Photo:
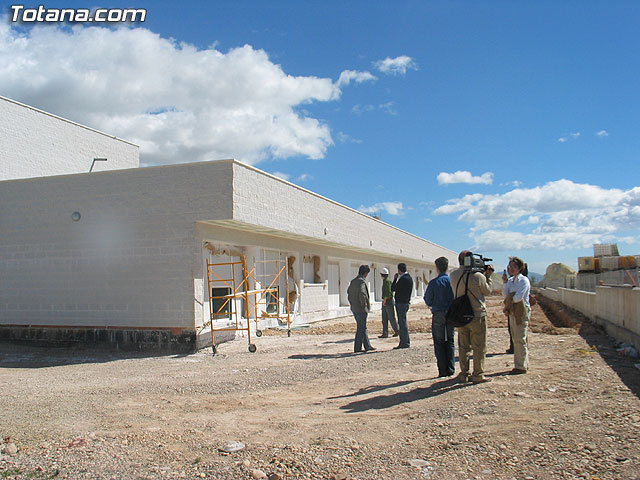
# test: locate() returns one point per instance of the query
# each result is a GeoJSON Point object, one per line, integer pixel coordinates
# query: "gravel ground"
{"type": "Point", "coordinates": [304, 407]}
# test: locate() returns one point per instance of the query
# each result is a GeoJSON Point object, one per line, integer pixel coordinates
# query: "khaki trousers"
{"type": "Point", "coordinates": [520, 340]}
{"type": "Point", "coordinates": [473, 337]}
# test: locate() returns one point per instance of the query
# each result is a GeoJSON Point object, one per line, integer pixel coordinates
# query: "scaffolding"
{"type": "Point", "coordinates": [263, 301]}
{"type": "Point", "coordinates": [268, 274]}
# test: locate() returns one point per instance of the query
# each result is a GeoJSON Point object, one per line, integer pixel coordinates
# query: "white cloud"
{"type": "Point", "coordinates": [564, 215]}
{"type": "Point", "coordinates": [513, 183]}
{"type": "Point", "coordinates": [348, 76]}
{"type": "Point", "coordinates": [360, 109]}
{"type": "Point", "coordinates": [346, 138]}
{"type": "Point", "coordinates": [388, 108]}
{"type": "Point", "coordinates": [571, 136]}
{"type": "Point", "coordinates": [178, 102]}
{"type": "Point", "coordinates": [283, 176]}
{"type": "Point", "coordinates": [463, 176]}
{"type": "Point", "coordinates": [396, 66]}
{"type": "Point", "coordinates": [392, 208]}
{"type": "Point", "coordinates": [602, 133]}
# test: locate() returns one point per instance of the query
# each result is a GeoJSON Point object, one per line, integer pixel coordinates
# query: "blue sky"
{"type": "Point", "coordinates": [507, 127]}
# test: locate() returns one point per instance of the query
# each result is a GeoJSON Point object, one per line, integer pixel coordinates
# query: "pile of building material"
{"type": "Point", "coordinates": [607, 267]}
{"type": "Point", "coordinates": [559, 275]}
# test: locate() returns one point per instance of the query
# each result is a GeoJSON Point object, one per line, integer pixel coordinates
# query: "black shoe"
{"type": "Point", "coordinates": [517, 371]}
{"type": "Point", "coordinates": [400, 346]}
{"type": "Point", "coordinates": [395, 334]}
{"type": "Point", "coordinates": [384, 335]}
{"type": "Point", "coordinates": [369, 349]}
{"type": "Point", "coordinates": [509, 350]}
{"type": "Point", "coordinates": [358, 351]}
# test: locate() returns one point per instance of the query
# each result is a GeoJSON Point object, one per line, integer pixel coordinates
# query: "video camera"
{"type": "Point", "coordinates": [475, 262]}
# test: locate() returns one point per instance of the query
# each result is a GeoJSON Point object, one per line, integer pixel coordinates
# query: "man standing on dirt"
{"type": "Point", "coordinates": [472, 336]}
{"type": "Point", "coordinates": [358, 295]}
{"type": "Point", "coordinates": [403, 286]}
{"type": "Point", "coordinates": [438, 297]}
{"type": "Point", "coordinates": [388, 313]}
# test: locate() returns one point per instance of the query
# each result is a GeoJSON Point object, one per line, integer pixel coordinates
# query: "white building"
{"type": "Point", "coordinates": [34, 143]}
{"type": "Point", "coordinates": [120, 256]}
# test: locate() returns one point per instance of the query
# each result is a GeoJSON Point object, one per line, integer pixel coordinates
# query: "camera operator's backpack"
{"type": "Point", "coordinates": [460, 312]}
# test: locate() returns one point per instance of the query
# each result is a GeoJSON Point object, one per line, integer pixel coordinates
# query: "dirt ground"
{"type": "Point", "coordinates": [305, 407]}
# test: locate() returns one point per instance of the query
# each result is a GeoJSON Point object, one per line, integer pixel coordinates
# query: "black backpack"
{"type": "Point", "coordinates": [460, 312]}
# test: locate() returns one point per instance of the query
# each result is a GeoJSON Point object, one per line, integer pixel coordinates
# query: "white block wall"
{"type": "Point", "coordinates": [135, 257]}
{"type": "Point", "coordinates": [265, 200]}
{"type": "Point", "coordinates": [129, 262]}
{"type": "Point", "coordinates": [314, 297]}
{"type": "Point", "coordinates": [34, 143]}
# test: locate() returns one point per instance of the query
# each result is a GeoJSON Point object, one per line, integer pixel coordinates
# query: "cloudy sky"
{"type": "Point", "coordinates": [505, 127]}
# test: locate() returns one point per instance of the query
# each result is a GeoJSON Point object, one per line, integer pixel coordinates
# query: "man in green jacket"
{"type": "Point", "coordinates": [388, 312]}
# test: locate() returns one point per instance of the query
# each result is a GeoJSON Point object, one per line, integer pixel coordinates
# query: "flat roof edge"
{"type": "Point", "coordinates": [250, 167]}
{"type": "Point", "coordinates": [67, 120]}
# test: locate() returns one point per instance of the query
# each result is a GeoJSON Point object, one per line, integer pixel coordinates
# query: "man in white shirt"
{"type": "Point", "coordinates": [515, 290]}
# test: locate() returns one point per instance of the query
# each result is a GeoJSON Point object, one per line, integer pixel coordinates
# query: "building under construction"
{"type": "Point", "coordinates": [131, 256]}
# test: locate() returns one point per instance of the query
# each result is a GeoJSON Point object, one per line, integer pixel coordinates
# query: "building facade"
{"type": "Point", "coordinates": [120, 256]}
{"type": "Point", "coordinates": [34, 143]}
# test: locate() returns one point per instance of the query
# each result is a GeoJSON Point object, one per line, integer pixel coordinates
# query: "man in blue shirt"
{"type": "Point", "coordinates": [438, 297]}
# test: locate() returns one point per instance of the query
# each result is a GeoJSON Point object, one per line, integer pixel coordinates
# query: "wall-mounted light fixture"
{"type": "Point", "coordinates": [94, 162]}
{"type": "Point", "coordinates": [75, 216]}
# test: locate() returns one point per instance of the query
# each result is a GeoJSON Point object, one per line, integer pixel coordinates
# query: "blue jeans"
{"type": "Point", "coordinates": [403, 328]}
{"type": "Point", "coordinates": [362, 339]}
{"type": "Point", "coordinates": [443, 344]}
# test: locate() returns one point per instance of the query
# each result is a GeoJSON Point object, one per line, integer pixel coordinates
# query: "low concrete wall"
{"type": "Point", "coordinates": [616, 308]}
{"type": "Point", "coordinates": [551, 293]}
{"type": "Point", "coordinates": [314, 297]}
{"type": "Point", "coordinates": [583, 302]}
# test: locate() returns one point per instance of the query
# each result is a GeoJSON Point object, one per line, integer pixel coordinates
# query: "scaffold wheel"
{"type": "Point", "coordinates": [258, 333]}
{"type": "Point", "coordinates": [214, 349]}
{"type": "Point", "coordinates": [288, 333]}
{"type": "Point", "coordinates": [252, 348]}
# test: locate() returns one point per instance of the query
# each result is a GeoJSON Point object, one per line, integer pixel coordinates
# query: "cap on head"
{"type": "Point", "coordinates": [384, 271]}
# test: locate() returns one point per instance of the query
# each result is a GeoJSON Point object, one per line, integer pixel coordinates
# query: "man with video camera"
{"type": "Point", "coordinates": [473, 277]}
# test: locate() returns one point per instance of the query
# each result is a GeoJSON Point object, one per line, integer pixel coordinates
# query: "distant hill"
{"type": "Point", "coordinates": [536, 277]}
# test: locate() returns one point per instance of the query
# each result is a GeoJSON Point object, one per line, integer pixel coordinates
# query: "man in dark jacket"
{"type": "Point", "coordinates": [438, 297]}
{"type": "Point", "coordinates": [358, 295]}
{"type": "Point", "coordinates": [403, 286]}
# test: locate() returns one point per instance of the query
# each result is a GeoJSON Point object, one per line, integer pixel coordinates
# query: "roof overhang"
{"type": "Point", "coordinates": [262, 230]}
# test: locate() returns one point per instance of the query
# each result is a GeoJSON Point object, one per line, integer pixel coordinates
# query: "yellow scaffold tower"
{"type": "Point", "coordinates": [239, 303]}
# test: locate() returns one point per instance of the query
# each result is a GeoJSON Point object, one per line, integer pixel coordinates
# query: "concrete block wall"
{"type": "Point", "coordinates": [583, 302]}
{"type": "Point", "coordinates": [620, 305]}
{"type": "Point", "coordinates": [551, 293]}
{"type": "Point", "coordinates": [131, 259]}
{"type": "Point", "coordinates": [34, 143]}
{"type": "Point", "coordinates": [616, 308]}
{"type": "Point", "coordinates": [265, 200]}
{"type": "Point", "coordinates": [314, 297]}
